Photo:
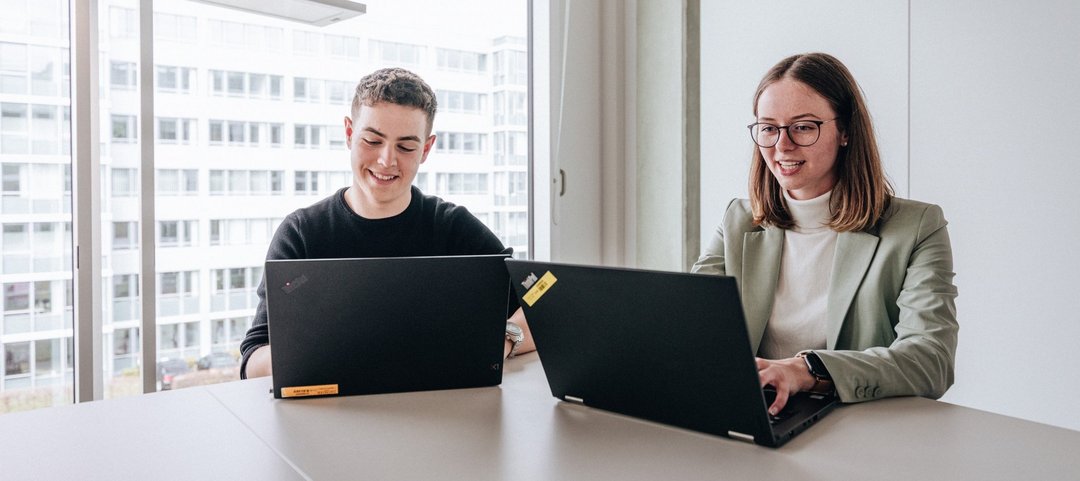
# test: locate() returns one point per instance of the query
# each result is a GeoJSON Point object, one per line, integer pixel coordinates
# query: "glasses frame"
{"type": "Point", "coordinates": [819, 123]}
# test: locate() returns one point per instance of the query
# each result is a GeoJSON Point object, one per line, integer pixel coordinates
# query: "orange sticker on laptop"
{"type": "Point", "coordinates": [539, 289]}
{"type": "Point", "coordinates": [302, 391]}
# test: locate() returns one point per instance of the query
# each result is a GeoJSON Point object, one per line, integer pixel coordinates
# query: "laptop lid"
{"type": "Point", "coordinates": [383, 325]}
{"type": "Point", "coordinates": [663, 346]}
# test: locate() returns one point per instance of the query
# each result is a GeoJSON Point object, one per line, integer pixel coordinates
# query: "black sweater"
{"type": "Point", "coordinates": [329, 229]}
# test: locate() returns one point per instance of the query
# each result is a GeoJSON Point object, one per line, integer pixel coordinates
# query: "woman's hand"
{"type": "Point", "coordinates": [787, 376]}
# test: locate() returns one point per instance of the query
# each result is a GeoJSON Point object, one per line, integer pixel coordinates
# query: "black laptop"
{"type": "Point", "coordinates": [662, 346]}
{"type": "Point", "coordinates": [383, 325]}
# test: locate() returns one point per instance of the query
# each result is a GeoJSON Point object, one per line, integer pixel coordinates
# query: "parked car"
{"type": "Point", "coordinates": [168, 369]}
{"type": "Point", "coordinates": [217, 360]}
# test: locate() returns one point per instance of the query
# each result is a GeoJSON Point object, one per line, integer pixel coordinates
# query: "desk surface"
{"type": "Point", "coordinates": [517, 430]}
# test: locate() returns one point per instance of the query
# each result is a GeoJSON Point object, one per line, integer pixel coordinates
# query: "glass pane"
{"type": "Point", "coordinates": [35, 205]}
{"type": "Point", "coordinates": [258, 150]}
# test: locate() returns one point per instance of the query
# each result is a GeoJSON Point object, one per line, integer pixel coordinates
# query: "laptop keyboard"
{"type": "Point", "coordinates": [787, 412]}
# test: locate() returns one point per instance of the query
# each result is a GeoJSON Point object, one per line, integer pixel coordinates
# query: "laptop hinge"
{"type": "Point", "coordinates": [741, 437]}
{"type": "Point", "coordinates": [574, 399]}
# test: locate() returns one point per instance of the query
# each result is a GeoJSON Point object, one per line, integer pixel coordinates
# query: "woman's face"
{"type": "Point", "coordinates": [804, 172]}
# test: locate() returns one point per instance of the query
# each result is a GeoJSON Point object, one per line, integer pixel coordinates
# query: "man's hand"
{"type": "Point", "coordinates": [258, 364]}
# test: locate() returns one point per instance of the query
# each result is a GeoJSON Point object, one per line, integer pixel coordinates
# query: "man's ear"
{"type": "Point", "coordinates": [427, 147]}
{"type": "Point", "coordinates": [348, 130]}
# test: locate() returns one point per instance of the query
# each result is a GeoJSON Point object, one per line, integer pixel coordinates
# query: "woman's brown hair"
{"type": "Point", "coordinates": [862, 192]}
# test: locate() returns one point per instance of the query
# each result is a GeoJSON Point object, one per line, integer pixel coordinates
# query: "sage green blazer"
{"type": "Point", "coordinates": [891, 323]}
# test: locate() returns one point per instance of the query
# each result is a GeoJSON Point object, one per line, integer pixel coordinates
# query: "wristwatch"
{"type": "Point", "coordinates": [515, 335]}
{"type": "Point", "coordinates": [822, 380]}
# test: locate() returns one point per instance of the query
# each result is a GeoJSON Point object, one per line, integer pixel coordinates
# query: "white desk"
{"type": "Point", "coordinates": [514, 431]}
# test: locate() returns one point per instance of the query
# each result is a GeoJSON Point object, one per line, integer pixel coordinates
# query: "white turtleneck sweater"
{"type": "Point", "coordinates": [802, 291]}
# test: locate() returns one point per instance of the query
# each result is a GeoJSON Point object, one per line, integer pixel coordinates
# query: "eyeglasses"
{"type": "Point", "coordinates": [803, 133]}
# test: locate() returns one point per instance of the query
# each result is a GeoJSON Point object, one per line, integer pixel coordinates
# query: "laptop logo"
{"type": "Point", "coordinates": [529, 281]}
{"type": "Point", "coordinates": [294, 284]}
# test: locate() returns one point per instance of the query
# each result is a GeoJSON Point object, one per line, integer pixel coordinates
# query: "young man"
{"type": "Point", "coordinates": [381, 214]}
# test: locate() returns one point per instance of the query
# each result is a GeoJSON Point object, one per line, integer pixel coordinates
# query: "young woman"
{"type": "Point", "coordinates": [845, 286]}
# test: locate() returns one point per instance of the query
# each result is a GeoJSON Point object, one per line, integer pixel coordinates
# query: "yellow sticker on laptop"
{"type": "Point", "coordinates": [539, 289]}
{"type": "Point", "coordinates": [303, 391]}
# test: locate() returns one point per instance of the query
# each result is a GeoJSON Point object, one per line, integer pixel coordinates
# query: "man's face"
{"type": "Point", "coordinates": [387, 144]}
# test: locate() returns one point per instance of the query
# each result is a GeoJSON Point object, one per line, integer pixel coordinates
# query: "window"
{"type": "Point", "coordinates": [306, 43]}
{"type": "Point", "coordinates": [14, 64]}
{"type": "Point", "coordinates": [125, 235]}
{"type": "Point", "coordinates": [125, 297]}
{"type": "Point", "coordinates": [245, 84]}
{"type": "Point", "coordinates": [341, 46]}
{"type": "Point", "coordinates": [395, 53]}
{"type": "Point", "coordinates": [177, 182]}
{"type": "Point", "coordinates": [175, 131]}
{"type": "Point", "coordinates": [460, 61]}
{"type": "Point", "coordinates": [460, 142]}
{"type": "Point", "coordinates": [12, 179]}
{"type": "Point", "coordinates": [14, 131]}
{"type": "Point", "coordinates": [123, 128]}
{"type": "Point", "coordinates": [223, 73]}
{"type": "Point", "coordinates": [511, 67]}
{"type": "Point", "coordinates": [179, 28]}
{"type": "Point", "coordinates": [511, 148]}
{"type": "Point", "coordinates": [175, 79]}
{"type": "Point", "coordinates": [125, 182]}
{"type": "Point", "coordinates": [511, 188]}
{"type": "Point", "coordinates": [339, 93]}
{"type": "Point", "coordinates": [234, 288]}
{"type": "Point", "coordinates": [309, 136]}
{"type": "Point", "coordinates": [178, 293]}
{"type": "Point", "coordinates": [461, 183]}
{"type": "Point", "coordinates": [307, 90]}
{"type": "Point", "coordinates": [244, 182]}
{"type": "Point", "coordinates": [510, 108]}
{"type": "Point", "coordinates": [177, 233]}
{"type": "Point", "coordinates": [460, 102]}
{"type": "Point", "coordinates": [123, 75]}
{"type": "Point", "coordinates": [123, 22]}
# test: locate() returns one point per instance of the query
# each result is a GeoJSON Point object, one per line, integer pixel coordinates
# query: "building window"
{"type": "Point", "coordinates": [234, 288]}
{"type": "Point", "coordinates": [123, 75]}
{"type": "Point", "coordinates": [14, 63]}
{"type": "Point", "coordinates": [125, 182]}
{"type": "Point", "coordinates": [177, 233]}
{"type": "Point", "coordinates": [178, 293]}
{"type": "Point", "coordinates": [306, 43]}
{"type": "Point", "coordinates": [460, 102]}
{"type": "Point", "coordinates": [177, 182]}
{"type": "Point", "coordinates": [123, 128]}
{"type": "Point", "coordinates": [460, 142]}
{"type": "Point", "coordinates": [175, 131]}
{"type": "Point", "coordinates": [395, 53]}
{"type": "Point", "coordinates": [339, 93]}
{"type": "Point", "coordinates": [307, 90]}
{"type": "Point", "coordinates": [460, 61]}
{"type": "Point", "coordinates": [308, 136]}
{"type": "Point", "coordinates": [125, 235]}
{"type": "Point", "coordinates": [511, 67]}
{"type": "Point", "coordinates": [175, 79]}
{"type": "Point", "coordinates": [14, 131]}
{"type": "Point", "coordinates": [123, 22]}
{"type": "Point", "coordinates": [461, 183]}
{"type": "Point", "coordinates": [342, 46]}
{"type": "Point", "coordinates": [180, 28]}
{"type": "Point", "coordinates": [510, 108]}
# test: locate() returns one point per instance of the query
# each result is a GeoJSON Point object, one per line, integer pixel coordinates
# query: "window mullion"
{"type": "Point", "coordinates": [86, 197]}
{"type": "Point", "coordinates": [147, 219]}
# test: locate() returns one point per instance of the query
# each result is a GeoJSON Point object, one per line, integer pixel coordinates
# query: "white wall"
{"type": "Point", "coordinates": [965, 85]}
